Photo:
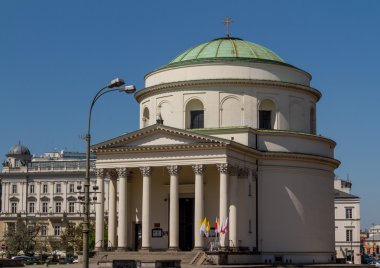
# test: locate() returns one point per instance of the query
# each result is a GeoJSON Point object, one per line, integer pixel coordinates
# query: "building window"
{"type": "Point", "coordinates": [71, 207]}
{"type": "Point", "coordinates": [45, 188]}
{"type": "Point", "coordinates": [348, 213]}
{"type": "Point", "coordinates": [197, 119]}
{"type": "Point", "coordinates": [71, 188]}
{"type": "Point", "coordinates": [44, 207]}
{"type": "Point", "coordinates": [267, 114]}
{"type": "Point", "coordinates": [11, 227]}
{"type": "Point", "coordinates": [145, 118]}
{"type": "Point", "coordinates": [58, 207]}
{"type": "Point", "coordinates": [57, 230]}
{"type": "Point", "coordinates": [58, 188]}
{"type": "Point", "coordinates": [14, 189]}
{"type": "Point", "coordinates": [265, 119]}
{"type": "Point", "coordinates": [43, 230]}
{"type": "Point", "coordinates": [14, 207]}
{"type": "Point", "coordinates": [31, 207]}
{"type": "Point", "coordinates": [348, 235]}
{"type": "Point", "coordinates": [194, 114]}
{"type": "Point", "coordinates": [31, 188]}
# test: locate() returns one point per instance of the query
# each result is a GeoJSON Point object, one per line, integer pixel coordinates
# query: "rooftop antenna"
{"type": "Point", "coordinates": [227, 22]}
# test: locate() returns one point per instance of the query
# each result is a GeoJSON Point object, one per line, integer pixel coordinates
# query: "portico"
{"type": "Point", "coordinates": [150, 195]}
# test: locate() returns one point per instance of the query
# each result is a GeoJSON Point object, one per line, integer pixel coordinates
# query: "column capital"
{"type": "Point", "coordinates": [146, 171]}
{"type": "Point", "coordinates": [174, 170]}
{"type": "Point", "coordinates": [112, 174]}
{"type": "Point", "coordinates": [122, 172]}
{"type": "Point", "coordinates": [199, 169]}
{"type": "Point", "coordinates": [226, 168]}
{"type": "Point", "coordinates": [100, 172]}
{"type": "Point", "coordinates": [243, 172]}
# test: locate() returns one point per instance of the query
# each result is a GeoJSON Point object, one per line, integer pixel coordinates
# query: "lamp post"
{"type": "Point", "coordinates": [86, 220]}
{"type": "Point", "coordinates": [373, 239]}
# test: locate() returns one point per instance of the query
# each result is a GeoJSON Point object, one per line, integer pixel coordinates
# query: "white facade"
{"type": "Point", "coordinates": [347, 222]}
{"type": "Point", "coordinates": [42, 190]}
{"type": "Point", "coordinates": [223, 138]}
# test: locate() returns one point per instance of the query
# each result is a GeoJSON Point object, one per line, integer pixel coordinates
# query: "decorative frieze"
{"type": "Point", "coordinates": [174, 170]}
{"type": "Point", "coordinates": [146, 171]}
{"type": "Point", "coordinates": [199, 169]}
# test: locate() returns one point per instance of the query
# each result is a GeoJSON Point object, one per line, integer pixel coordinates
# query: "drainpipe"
{"type": "Point", "coordinates": [257, 196]}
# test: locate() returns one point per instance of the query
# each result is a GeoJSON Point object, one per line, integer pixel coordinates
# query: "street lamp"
{"type": "Point", "coordinates": [373, 239]}
{"type": "Point", "coordinates": [112, 86]}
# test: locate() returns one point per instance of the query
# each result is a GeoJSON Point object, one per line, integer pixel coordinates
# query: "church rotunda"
{"type": "Point", "coordinates": [227, 131]}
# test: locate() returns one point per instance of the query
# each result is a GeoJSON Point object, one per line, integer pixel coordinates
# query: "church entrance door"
{"type": "Point", "coordinates": [186, 224]}
{"type": "Point", "coordinates": [138, 236]}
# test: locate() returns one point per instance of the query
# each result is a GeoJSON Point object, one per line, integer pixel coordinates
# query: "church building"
{"type": "Point", "coordinates": [228, 132]}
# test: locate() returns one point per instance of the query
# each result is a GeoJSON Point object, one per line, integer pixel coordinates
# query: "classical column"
{"type": "Point", "coordinates": [99, 212]}
{"type": "Point", "coordinates": [223, 199]}
{"type": "Point", "coordinates": [233, 204]}
{"type": "Point", "coordinates": [174, 208]}
{"type": "Point", "coordinates": [199, 205]}
{"type": "Point", "coordinates": [112, 210]}
{"type": "Point", "coordinates": [145, 225]}
{"type": "Point", "coordinates": [122, 226]}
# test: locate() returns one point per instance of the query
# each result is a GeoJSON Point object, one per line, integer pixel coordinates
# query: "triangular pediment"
{"type": "Point", "coordinates": [158, 135]}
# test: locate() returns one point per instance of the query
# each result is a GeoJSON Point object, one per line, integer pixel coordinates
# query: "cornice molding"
{"type": "Point", "coordinates": [149, 91]}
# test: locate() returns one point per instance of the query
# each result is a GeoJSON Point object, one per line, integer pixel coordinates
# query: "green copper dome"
{"type": "Point", "coordinates": [227, 48]}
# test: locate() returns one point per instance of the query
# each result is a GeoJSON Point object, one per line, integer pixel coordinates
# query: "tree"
{"type": "Point", "coordinates": [72, 237]}
{"type": "Point", "coordinates": [22, 237]}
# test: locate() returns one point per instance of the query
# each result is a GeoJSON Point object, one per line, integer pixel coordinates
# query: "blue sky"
{"type": "Point", "coordinates": [55, 55]}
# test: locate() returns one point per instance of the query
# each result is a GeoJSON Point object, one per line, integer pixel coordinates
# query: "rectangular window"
{"type": "Point", "coordinates": [31, 207]}
{"type": "Point", "coordinates": [43, 230]}
{"type": "Point", "coordinates": [348, 213]}
{"type": "Point", "coordinates": [71, 207]}
{"type": "Point", "coordinates": [14, 189]}
{"type": "Point", "coordinates": [58, 188]}
{"type": "Point", "coordinates": [58, 207]}
{"type": "Point", "coordinates": [45, 188]}
{"type": "Point", "coordinates": [11, 227]}
{"type": "Point", "coordinates": [57, 230]}
{"type": "Point", "coordinates": [31, 188]}
{"type": "Point", "coordinates": [44, 207]}
{"type": "Point", "coordinates": [196, 119]}
{"type": "Point", "coordinates": [71, 188]}
{"type": "Point", "coordinates": [14, 207]}
{"type": "Point", "coordinates": [348, 235]}
{"type": "Point", "coordinates": [265, 119]}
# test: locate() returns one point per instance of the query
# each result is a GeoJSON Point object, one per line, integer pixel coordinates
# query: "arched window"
{"type": "Point", "coordinates": [313, 122]}
{"type": "Point", "coordinates": [145, 118]}
{"type": "Point", "coordinates": [267, 114]}
{"type": "Point", "coordinates": [194, 114]}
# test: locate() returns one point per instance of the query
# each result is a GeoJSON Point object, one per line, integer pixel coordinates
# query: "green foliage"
{"type": "Point", "coordinates": [72, 237]}
{"type": "Point", "coordinates": [22, 237]}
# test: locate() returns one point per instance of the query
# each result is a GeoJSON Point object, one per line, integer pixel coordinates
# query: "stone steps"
{"type": "Point", "coordinates": [150, 256]}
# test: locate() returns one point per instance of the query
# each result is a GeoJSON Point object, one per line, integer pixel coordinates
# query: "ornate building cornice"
{"type": "Point", "coordinates": [149, 91]}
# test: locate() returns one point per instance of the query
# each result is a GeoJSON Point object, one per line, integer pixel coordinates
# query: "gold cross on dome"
{"type": "Point", "coordinates": [227, 22]}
